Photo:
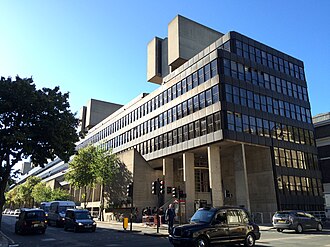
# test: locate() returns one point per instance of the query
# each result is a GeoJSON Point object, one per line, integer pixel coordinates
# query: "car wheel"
{"type": "Point", "coordinates": [250, 240]}
{"type": "Point", "coordinates": [65, 228]}
{"type": "Point", "coordinates": [299, 228]}
{"type": "Point", "coordinates": [16, 230]}
{"type": "Point", "coordinates": [279, 230]}
{"type": "Point", "coordinates": [319, 227]}
{"type": "Point", "coordinates": [201, 242]}
{"type": "Point", "coordinates": [75, 229]}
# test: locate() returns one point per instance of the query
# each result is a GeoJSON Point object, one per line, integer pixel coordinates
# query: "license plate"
{"type": "Point", "coordinates": [281, 221]}
{"type": "Point", "coordinates": [88, 226]}
{"type": "Point", "coordinates": [36, 225]}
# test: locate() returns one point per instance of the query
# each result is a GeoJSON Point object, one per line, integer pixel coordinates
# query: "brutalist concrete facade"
{"type": "Point", "coordinates": [229, 124]}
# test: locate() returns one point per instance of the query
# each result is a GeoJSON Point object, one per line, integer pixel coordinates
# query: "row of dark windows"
{"type": "Point", "coordinates": [195, 79]}
{"type": "Point", "coordinates": [305, 207]}
{"type": "Point", "coordinates": [295, 185]}
{"type": "Point", "coordinates": [265, 80]}
{"type": "Point", "coordinates": [268, 104]}
{"type": "Point", "coordinates": [194, 104]}
{"type": "Point", "coordinates": [200, 127]}
{"type": "Point", "coordinates": [295, 159]}
{"type": "Point", "coordinates": [261, 57]}
{"type": "Point", "coordinates": [239, 122]}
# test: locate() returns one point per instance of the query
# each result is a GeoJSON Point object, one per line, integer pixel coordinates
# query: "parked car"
{"type": "Point", "coordinates": [216, 225]}
{"type": "Point", "coordinates": [296, 220]}
{"type": "Point", "coordinates": [31, 220]}
{"type": "Point", "coordinates": [79, 220]}
{"type": "Point", "coordinates": [56, 214]}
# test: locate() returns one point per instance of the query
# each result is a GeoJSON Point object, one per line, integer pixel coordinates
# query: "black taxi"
{"type": "Point", "coordinates": [216, 225]}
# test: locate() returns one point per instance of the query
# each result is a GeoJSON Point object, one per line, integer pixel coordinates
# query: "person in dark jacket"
{"type": "Point", "coordinates": [169, 216]}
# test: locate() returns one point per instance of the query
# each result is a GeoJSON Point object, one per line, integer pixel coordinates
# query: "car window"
{"type": "Point", "coordinates": [300, 214]}
{"type": "Point", "coordinates": [245, 218]}
{"type": "Point", "coordinates": [62, 209]}
{"type": "Point", "coordinates": [34, 215]}
{"type": "Point", "coordinates": [221, 217]}
{"type": "Point", "coordinates": [233, 217]}
{"type": "Point", "coordinates": [282, 214]}
{"type": "Point", "coordinates": [202, 216]}
{"type": "Point", "coordinates": [309, 215]}
{"type": "Point", "coordinates": [82, 216]}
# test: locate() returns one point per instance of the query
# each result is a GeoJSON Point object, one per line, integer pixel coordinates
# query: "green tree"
{"type": "Point", "coordinates": [33, 123]}
{"type": "Point", "coordinates": [25, 191]}
{"type": "Point", "coordinates": [82, 171]}
{"type": "Point", "coordinates": [107, 166]}
{"type": "Point", "coordinates": [59, 194]}
{"type": "Point", "coordinates": [41, 193]}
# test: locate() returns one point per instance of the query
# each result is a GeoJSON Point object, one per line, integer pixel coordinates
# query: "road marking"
{"type": "Point", "coordinates": [48, 239]}
{"type": "Point", "coordinates": [288, 238]}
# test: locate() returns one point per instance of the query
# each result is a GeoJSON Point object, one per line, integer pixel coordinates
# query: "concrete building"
{"type": "Point", "coordinates": [94, 112]}
{"type": "Point", "coordinates": [230, 124]}
{"type": "Point", "coordinates": [231, 117]}
{"type": "Point", "coordinates": [322, 136]}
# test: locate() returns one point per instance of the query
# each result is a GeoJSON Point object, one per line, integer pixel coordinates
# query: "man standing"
{"type": "Point", "coordinates": [169, 216]}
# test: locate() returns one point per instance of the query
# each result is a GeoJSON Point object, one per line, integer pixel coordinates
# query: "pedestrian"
{"type": "Point", "coordinates": [169, 216]}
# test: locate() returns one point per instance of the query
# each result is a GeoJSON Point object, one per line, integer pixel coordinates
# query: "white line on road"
{"type": "Point", "coordinates": [48, 239]}
{"type": "Point", "coordinates": [288, 238]}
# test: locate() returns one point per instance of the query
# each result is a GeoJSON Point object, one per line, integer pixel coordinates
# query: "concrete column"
{"type": "Point", "coordinates": [168, 177]}
{"type": "Point", "coordinates": [189, 179]}
{"type": "Point", "coordinates": [215, 176]}
{"type": "Point", "coordinates": [241, 180]}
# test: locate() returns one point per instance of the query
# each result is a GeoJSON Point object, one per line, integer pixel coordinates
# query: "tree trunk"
{"type": "Point", "coordinates": [101, 213]}
{"type": "Point", "coordinates": [3, 183]}
{"type": "Point", "coordinates": [85, 199]}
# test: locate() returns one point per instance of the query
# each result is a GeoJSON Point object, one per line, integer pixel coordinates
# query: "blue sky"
{"type": "Point", "coordinates": [97, 48]}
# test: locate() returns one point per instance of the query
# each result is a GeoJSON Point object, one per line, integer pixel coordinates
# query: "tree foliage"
{"type": "Point", "coordinates": [41, 193]}
{"type": "Point", "coordinates": [33, 123]}
{"type": "Point", "coordinates": [83, 169]}
{"type": "Point", "coordinates": [32, 193]}
{"type": "Point", "coordinates": [93, 165]}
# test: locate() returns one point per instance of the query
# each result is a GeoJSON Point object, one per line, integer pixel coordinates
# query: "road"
{"type": "Point", "coordinates": [107, 237]}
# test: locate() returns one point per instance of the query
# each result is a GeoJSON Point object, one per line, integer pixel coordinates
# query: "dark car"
{"type": "Point", "coordinates": [216, 225]}
{"type": "Point", "coordinates": [296, 220]}
{"type": "Point", "coordinates": [31, 221]}
{"type": "Point", "coordinates": [79, 220]}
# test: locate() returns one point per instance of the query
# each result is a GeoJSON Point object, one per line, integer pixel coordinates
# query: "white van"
{"type": "Point", "coordinates": [57, 210]}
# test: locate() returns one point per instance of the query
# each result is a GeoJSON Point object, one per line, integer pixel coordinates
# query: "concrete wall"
{"type": "Point", "coordinates": [261, 180]}
{"type": "Point", "coordinates": [259, 173]}
{"type": "Point", "coordinates": [186, 38]}
{"type": "Point", "coordinates": [98, 110]}
{"type": "Point", "coordinates": [143, 176]}
{"type": "Point", "coordinates": [157, 60]}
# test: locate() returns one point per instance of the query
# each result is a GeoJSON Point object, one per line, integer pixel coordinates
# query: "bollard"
{"type": "Point", "coordinates": [125, 223]}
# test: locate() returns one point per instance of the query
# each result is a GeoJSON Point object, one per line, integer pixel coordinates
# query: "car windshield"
{"type": "Point", "coordinates": [62, 209]}
{"type": "Point", "coordinates": [83, 216]}
{"type": "Point", "coordinates": [282, 214]}
{"type": "Point", "coordinates": [35, 215]}
{"type": "Point", "coordinates": [202, 216]}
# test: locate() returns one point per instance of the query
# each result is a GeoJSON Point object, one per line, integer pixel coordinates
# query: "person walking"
{"type": "Point", "coordinates": [169, 216]}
